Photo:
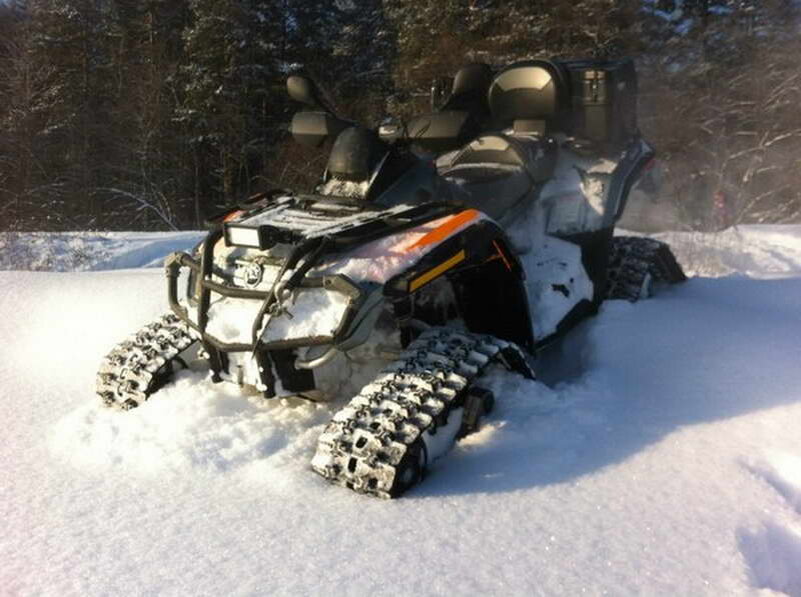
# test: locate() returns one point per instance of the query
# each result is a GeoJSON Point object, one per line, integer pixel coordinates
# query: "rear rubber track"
{"type": "Point", "coordinates": [636, 264]}
{"type": "Point", "coordinates": [143, 363]}
{"type": "Point", "coordinates": [374, 445]}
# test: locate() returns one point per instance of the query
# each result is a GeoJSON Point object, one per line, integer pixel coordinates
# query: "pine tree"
{"type": "Point", "coordinates": [150, 178]}
{"type": "Point", "coordinates": [735, 97]}
{"type": "Point", "coordinates": [68, 114]}
{"type": "Point", "coordinates": [227, 75]}
{"type": "Point", "coordinates": [348, 48]}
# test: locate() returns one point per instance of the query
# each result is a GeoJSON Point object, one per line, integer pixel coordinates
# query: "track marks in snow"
{"type": "Point", "coordinates": [773, 550]}
{"type": "Point", "coordinates": [192, 424]}
{"type": "Point", "coordinates": [536, 436]}
{"type": "Point", "coordinates": [773, 553]}
{"type": "Point", "coordinates": [783, 473]}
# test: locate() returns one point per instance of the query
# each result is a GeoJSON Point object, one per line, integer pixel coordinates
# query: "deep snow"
{"type": "Point", "coordinates": [664, 459]}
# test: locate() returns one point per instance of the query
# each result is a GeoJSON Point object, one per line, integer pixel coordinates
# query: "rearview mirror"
{"type": "Point", "coordinates": [303, 90]}
{"type": "Point", "coordinates": [315, 128]}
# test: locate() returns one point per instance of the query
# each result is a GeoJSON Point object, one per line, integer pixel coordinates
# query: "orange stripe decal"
{"type": "Point", "coordinates": [443, 231]}
{"type": "Point", "coordinates": [233, 215]}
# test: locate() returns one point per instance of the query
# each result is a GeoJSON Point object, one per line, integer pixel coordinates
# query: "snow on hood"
{"type": "Point", "coordinates": [380, 260]}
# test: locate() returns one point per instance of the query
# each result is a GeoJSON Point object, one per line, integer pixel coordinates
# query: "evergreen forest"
{"type": "Point", "coordinates": [153, 114]}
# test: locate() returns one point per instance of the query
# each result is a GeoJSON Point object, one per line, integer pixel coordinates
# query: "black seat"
{"type": "Point", "coordinates": [469, 91]}
{"type": "Point", "coordinates": [463, 115]}
{"type": "Point", "coordinates": [528, 97]}
{"type": "Point", "coordinates": [524, 100]}
{"type": "Point", "coordinates": [495, 171]}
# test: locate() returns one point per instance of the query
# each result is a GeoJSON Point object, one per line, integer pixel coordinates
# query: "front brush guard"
{"type": "Point", "coordinates": [173, 265]}
{"type": "Point", "coordinates": [206, 286]}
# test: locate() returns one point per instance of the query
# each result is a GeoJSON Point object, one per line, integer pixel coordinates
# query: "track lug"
{"type": "Point", "coordinates": [140, 365]}
{"type": "Point", "coordinates": [412, 396]}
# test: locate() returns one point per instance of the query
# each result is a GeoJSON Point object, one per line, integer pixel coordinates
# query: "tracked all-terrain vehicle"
{"type": "Point", "coordinates": [428, 253]}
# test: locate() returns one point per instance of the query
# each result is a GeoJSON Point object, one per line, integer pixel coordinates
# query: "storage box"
{"type": "Point", "coordinates": [604, 102]}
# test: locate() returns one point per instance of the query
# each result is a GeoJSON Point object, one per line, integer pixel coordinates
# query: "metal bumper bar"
{"type": "Point", "coordinates": [205, 285]}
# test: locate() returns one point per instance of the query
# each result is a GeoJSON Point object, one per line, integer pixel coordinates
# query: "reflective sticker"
{"type": "Point", "coordinates": [502, 255]}
{"type": "Point", "coordinates": [437, 271]}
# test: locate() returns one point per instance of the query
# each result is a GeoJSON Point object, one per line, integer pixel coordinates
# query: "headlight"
{"type": "Point", "coordinates": [257, 236]}
{"type": "Point", "coordinates": [242, 237]}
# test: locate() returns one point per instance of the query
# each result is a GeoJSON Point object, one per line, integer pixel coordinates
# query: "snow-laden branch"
{"type": "Point", "coordinates": [143, 204]}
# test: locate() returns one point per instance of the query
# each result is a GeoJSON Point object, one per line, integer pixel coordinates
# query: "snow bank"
{"type": "Point", "coordinates": [754, 251]}
{"type": "Point", "coordinates": [84, 251]}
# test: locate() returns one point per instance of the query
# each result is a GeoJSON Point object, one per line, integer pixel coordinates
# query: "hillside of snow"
{"type": "Point", "coordinates": [663, 457]}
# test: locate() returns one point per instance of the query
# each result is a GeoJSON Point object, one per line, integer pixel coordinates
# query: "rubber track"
{"type": "Point", "coordinates": [634, 258]}
{"type": "Point", "coordinates": [365, 441]}
{"type": "Point", "coordinates": [140, 365]}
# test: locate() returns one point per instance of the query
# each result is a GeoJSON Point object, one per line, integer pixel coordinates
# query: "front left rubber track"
{"type": "Point", "coordinates": [143, 363]}
{"type": "Point", "coordinates": [364, 447]}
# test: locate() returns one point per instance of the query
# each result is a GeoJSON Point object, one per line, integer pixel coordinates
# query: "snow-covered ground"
{"type": "Point", "coordinates": [663, 459]}
{"type": "Point", "coordinates": [83, 251]}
